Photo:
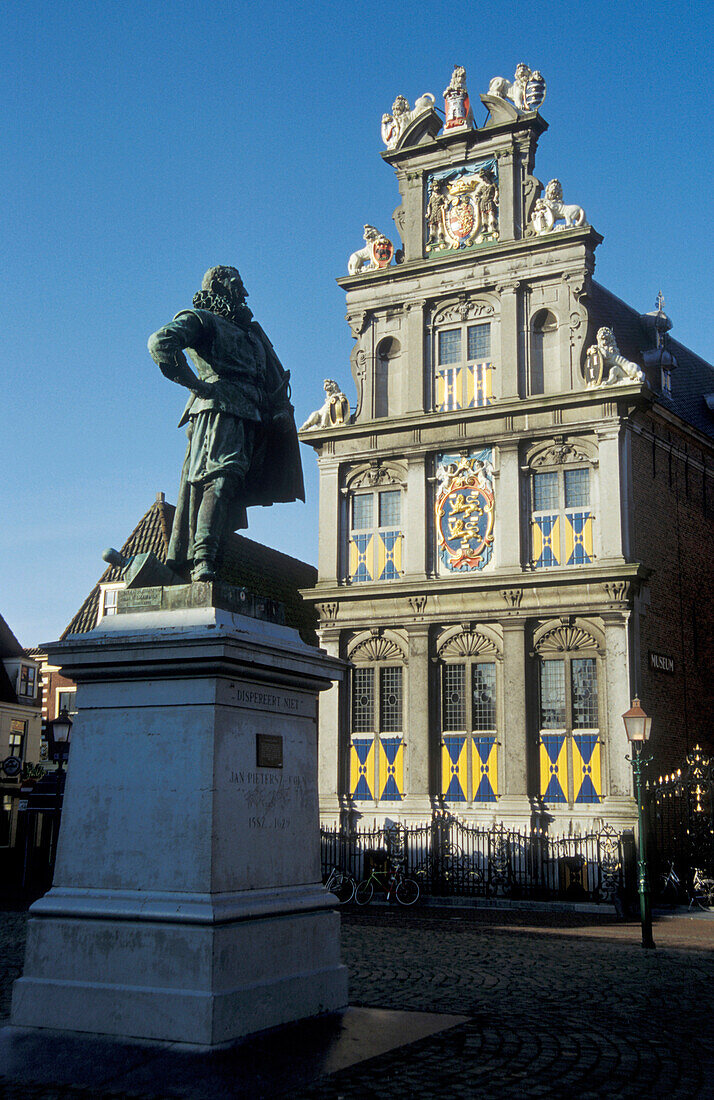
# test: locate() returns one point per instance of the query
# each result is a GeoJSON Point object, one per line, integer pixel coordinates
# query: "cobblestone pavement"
{"type": "Point", "coordinates": [560, 1006]}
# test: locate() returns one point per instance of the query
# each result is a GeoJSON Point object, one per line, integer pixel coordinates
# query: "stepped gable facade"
{"type": "Point", "coordinates": [517, 518]}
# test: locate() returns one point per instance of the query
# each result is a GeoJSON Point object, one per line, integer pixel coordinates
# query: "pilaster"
{"type": "Point", "coordinates": [508, 523]}
{"type": "Point", "coordinates": [417, 728]}
{"type": "Point", "coordinates": [329, 521]}
{"type": "Point", "coordinates": [415, 525]}
{"type": "Point", "coordinates": [609, 517]}
{"type": "Point", "coordinates": [414, 371]}
{"type": "Point", "coordinates": [508, 363]}
{"type": "Point", "coordinates": [617, 662]}
{"type": "Point", "coordinates": [328, 737]}
{"type": "Point", "coordinates": [514, 800]}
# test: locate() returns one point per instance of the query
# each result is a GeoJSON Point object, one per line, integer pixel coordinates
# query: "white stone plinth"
{"type": "Point", "coordinates": [187, 902]}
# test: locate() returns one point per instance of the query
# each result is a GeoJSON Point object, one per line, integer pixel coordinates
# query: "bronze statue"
{"type": "Point", "coordinates": [242, 441]}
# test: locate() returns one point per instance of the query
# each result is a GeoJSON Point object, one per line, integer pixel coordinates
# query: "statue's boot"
{"type": "Point", "coordinates": [211, 521]}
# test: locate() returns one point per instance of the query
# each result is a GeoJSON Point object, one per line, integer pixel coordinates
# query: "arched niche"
{"type": "Point", "coordinates": [387, 377]}
{"type": "Point", "coordinates": [545, 368]}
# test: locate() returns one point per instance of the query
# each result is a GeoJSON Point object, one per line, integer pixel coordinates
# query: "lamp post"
{"type": "Point", "coordinates": [59, 731]}
{"type": "Point", "coordinates": [638, 726]}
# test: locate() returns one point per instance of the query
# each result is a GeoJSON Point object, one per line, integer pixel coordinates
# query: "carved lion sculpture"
{"type": "Point", "coordinates": [363, 256]}
{"type": "Point", "coordinates": [551, 208]}
{"type": "Point", "coordinates": [335, 411]}
{"type": "Point", "coordinates": [621, 370]}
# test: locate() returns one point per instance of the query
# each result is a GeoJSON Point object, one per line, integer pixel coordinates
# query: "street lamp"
{"type": "Point", "coordinates": [638, 726]}
{"type": "Point", "coordinates": [59, 731]}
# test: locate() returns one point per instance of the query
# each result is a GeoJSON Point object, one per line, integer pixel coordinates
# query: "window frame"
{"type": "Point", "coordinates": [584, 540]}
{"type": "Point", "coordinates": [375, 538]}
{"type": "Point", "coordinates": [383, 766]}
{"type": "Point", "coordinates": [587, 650]}
{"type": "Point", "coordinates": [111, 589]}
{"type": "Point", "coordinates": [483, 385]}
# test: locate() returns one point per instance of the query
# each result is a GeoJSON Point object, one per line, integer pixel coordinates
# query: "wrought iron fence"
{"type": "Point", "coordinates": [450, 857]}
{"type": "Point", "coordinates": [681, 819]}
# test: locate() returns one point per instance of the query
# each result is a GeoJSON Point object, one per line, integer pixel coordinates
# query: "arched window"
{"type": "Point", "coordinates": [377, 718]}
{"type": "Point", "coordinates": [570, 749]}
{"type": "Point", "coordinates": [469, 662]}
{"type": "Point", "coordinates": [545, 354]}
{"type": "Point", "coordinates": [387, 378]}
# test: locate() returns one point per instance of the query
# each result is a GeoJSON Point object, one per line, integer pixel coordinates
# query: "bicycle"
{"type": "Point", "coordinates": [406, 890]}
{"type": "Point", "coordinates": [341, 884]}
{"type": "Point", "coordinates": [670, 886]}
{"type": "Point", "coordinates": [702, 890]}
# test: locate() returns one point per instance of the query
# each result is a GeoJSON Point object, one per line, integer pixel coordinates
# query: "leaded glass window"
{"type": "Point", "coordinates": [469, 752]}
{"type": "Point", "coordinates": [377, 742]}
{"type": "Point", "coordinates": [375, 538]}
{"type": "Point", "coordinates": [454, 692]}
{"type": "Point", "coordinates": [570, 748]}
{"type": "Point", "coordinates": [362, 700]}
{"type": "Point", "coordinates": [463, 375]}
{"type": "Point", "coordinates": [561, 518]}
{"type": "Point", "coordinates": [483, 682]}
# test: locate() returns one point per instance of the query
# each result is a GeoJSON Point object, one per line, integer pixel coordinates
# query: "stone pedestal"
{"type": "Point", "coordinates": [187, 902]}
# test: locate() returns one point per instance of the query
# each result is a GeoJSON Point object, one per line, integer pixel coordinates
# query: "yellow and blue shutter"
{"type": "Point", "coordinates": [454, 767]}
{"type": "Point", "coordinates": [362, 761]}
{"type": "Point", "coordinates": [554, 767]}
{"type": "Point", "coordinates": [391, 769]}
{"type": "Point", "coordinates": [587, 767]}
{"type": "Point", "coordinates": [484, 768]}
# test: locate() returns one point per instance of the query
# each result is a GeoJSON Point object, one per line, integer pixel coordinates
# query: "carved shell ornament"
{"type": "Point", "coordinates": [377, 649]}
{"type": "Point", "coordinates": [468, 644]}
{"type": "Point", "coordinates": [566, 639]}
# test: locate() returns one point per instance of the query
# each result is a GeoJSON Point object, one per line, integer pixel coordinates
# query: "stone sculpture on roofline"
{"type": "Point", "coordinates": [526, 91]}
{"type": "Point", "coordinates": [242, 441]}
{"type": "Point", "coordinates": [334, 412]}
{"type": "Point", "coordinates": [550, 209]}
{"type": "Point", "coordinates": [377, 252]}
{"type": "Point", "coordinates": [605, 356]}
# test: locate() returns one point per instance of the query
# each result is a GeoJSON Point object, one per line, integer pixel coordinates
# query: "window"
{"type": "Point", "coordinates": [570, 749]}
{"type": "Point", "coordinates": [666, 382]}
{"type": "Point", "coordinates": [377, 743]}
{"type": "Point", "coordinates": [469, 745]}
{"type": "Point", "coordinates": [108, 596]}
{"type": "Point", "coordinates": [28, 675]}
{"type": "Point", "coordinates": [561, 518]}
{"type": "Point", "coordinates": [464, 368]}
{"type": "Point", "coordinates": [66, 700]}
{"type": "Point", "coordinates": [17, 738]}
{"type": "Point", "coordinates": [375, 539]}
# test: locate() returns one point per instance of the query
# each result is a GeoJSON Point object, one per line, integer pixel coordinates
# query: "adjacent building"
{"type": "Point", "coordinates": [517, 520]}
{"type": "Point", "coordinates": [20, 725]}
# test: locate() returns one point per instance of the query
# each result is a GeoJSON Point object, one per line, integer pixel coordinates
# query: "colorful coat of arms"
{"type": "Point", "coordinates": [464, 510]}
{"type": "Point", "coordinates": [382, 251]}
{"type": "Point", "coordinates": [462, 207]}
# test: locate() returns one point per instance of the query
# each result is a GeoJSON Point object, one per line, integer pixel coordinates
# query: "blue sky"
{"type": "Point", "coordinates": [144, 142]}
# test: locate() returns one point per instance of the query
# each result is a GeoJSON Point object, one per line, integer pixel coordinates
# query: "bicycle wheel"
{"type": "Point", "coordinates": [364, 892]}
{"type": "Point", "coordinates": [407, 891]}
{"type": "Point", "coordinates": [343, 887]}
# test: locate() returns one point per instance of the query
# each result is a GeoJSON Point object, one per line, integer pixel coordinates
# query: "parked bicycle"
{"type": "Point", "coordinates": [341, 884]}
{"type": "Point", "coordinates": [390, 882]}
{"type": "Point", "coordinates": [702, 890]}
{"type": "Point", "coordinates": [670, 887]}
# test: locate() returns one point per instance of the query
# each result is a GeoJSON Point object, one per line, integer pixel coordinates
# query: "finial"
{"type": "Point", "coordinates": [660, 302]}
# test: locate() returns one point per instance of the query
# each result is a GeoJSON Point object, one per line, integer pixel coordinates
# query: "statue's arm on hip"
{"type": "Point", "coordinates": [166, 347]}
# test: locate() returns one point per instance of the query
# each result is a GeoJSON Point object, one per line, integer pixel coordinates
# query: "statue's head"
{"type": "Point", "coordinates": [522, 72]}
{"type": "Point", "coordinates": [606, 338]}
{"type": "Point", "coordinates": [458, 77]}
{"type": "Point", "coordinates": [400, 106]}
{"type": "Point", "coordinates": [554, 191]}
{"type": "Point", "coordinates": [225, 282]}
{"type": "Point", "coordinates": [331, 387]}
{"type": "Point", "coordinates": [371, 233]}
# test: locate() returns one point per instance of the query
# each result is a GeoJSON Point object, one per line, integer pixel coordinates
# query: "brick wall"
{"type": "Point", "coordinates": [673, 536]}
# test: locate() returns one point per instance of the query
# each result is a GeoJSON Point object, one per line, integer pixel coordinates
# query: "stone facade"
{"type": "Point", "coordinates": [485, 555]}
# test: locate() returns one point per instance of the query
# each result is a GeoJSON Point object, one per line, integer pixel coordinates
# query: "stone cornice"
{"type": "Point", "coordinates": [591, 579]}
{"type": "Point", "coordinates": [636, 395]}
{"type": "Point", "coordinates": [470, 140]}
{"type": "Point", "coordinates": [487, 253]}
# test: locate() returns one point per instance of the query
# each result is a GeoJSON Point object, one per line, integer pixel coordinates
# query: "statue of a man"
{"type": "Point", "coordinates": [242, 441]}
